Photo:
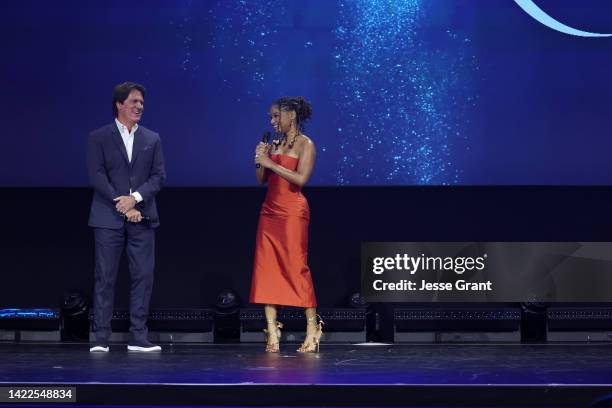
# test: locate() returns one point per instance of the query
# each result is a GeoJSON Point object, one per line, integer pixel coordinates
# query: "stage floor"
{"type": "Point", "coordinates": [375, 375]}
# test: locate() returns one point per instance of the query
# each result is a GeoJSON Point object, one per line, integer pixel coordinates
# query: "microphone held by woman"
{"type": "Point", "coordinates": [264, 139]}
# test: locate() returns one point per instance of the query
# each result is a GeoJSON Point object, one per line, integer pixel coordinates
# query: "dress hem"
{"type": "Point", "coordinates": [282, 304]}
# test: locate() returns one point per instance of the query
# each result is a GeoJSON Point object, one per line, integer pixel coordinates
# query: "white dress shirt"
{"type": "Point", "coordinates": [128, 141]}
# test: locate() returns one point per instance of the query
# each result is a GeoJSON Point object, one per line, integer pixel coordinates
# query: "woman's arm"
{"type": "Point", "coordinates": [260, 172]}
{"type": "Point", "coordinates": [262, 175]}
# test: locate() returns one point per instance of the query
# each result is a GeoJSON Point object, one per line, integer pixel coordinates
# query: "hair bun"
{"type": "Point", "coordinates": [301, 106]}
{"type": "Point", "coordinates": [304, 109]}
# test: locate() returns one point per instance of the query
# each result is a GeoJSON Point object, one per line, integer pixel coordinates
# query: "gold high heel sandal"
{"type": "Point", "coordinates": [312, 345]}
{"type": "Point", "coordinates": [273, 347]}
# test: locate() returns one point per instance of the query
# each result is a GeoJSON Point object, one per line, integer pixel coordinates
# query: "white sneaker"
{"type": "Point", "coordinates": [98, 348]}
{"type": "Point", "coordinates": [143, 346]}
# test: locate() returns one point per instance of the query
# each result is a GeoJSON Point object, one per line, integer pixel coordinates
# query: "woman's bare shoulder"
{"type": "Point", "coordinates": [305, 142]}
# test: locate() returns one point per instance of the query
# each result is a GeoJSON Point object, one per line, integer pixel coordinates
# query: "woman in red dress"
{"type": "Point", "coordinates": [281, 276]}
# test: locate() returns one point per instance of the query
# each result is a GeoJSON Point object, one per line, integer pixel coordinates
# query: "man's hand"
{"type": "Point", "coordinates": [133, 215]}
{"type": "Point", "coordinates": [125, 204]}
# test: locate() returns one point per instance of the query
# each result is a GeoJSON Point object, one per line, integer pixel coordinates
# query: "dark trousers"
{"type": "Point", "coordinates": [141, 258]}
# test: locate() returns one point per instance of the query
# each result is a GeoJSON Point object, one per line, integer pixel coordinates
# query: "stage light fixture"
{"type": "Point", "coordinates": [227, 301]}
{"type": "Point", "coordinates": [227, 317]}
{"type": "Point", "coordinates": [74, 316]}
{"type": "Point", "coordinates": [357, 301]}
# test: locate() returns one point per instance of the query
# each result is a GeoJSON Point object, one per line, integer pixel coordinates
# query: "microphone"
{"type": "Point", "coordinates": [265, 139]}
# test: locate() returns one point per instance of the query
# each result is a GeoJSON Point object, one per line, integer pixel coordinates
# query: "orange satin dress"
{"type": "Point", "coordinates": [281, 275]}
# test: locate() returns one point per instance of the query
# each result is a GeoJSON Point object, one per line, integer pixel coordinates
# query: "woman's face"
{"type": "Point", "coordinates": [281, 120]}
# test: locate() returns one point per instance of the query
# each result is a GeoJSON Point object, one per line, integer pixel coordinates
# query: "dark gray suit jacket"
{"type": "Point", "coordinates": [112, 175]}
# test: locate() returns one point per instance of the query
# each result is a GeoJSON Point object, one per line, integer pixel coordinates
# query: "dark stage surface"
{"type": "Point", "coordinates": [373, 375]}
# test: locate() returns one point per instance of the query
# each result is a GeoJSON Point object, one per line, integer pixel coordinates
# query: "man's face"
{"type": "Point", "coordinates": [131, 109]}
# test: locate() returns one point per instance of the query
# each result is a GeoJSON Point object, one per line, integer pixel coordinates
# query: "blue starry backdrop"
{"type": "Point", "coordinates": [404, 92]}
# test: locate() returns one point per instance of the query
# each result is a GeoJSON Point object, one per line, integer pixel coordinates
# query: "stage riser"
{"type": "Point", "coordinates": [579, 324]}
{"type": "Point", "coordinates": [594, 336]}
{"type": "Point", "coordinates": [341, 325]}
{"type": "Point", "coordinates": [298, 337]}
{"type": "Point", "coordinates": [163, 337]}
{"type": "Point", "coordinates": [457, 325]}
{"type": "Point", "coordinates": [30, 335]}
{"type": "Point", "coordinates": [455, 337]}
{"type": "Point", "coordinates": [165, 326]}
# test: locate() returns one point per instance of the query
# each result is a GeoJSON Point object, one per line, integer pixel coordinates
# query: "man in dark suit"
{"type": "Point", "coordinates": [126, 169]}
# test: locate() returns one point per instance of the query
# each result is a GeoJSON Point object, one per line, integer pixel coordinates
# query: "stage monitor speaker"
{"type": "Point", "coordinates": [581, 324]}
{"type": "Point", "coordinates": [166, 326]}
{"type": "Point", "coordinates": [30, 325]}
{"type": "Point", "coordinates": [342, 325]}
{"type": "Point", "coordinates": [458, 325]}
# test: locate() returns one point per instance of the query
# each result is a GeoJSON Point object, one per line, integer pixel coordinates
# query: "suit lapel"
{"type": "Point", "coordinates": [139, 143]}
{"type": "Point", "coordinates": [116, 136]}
